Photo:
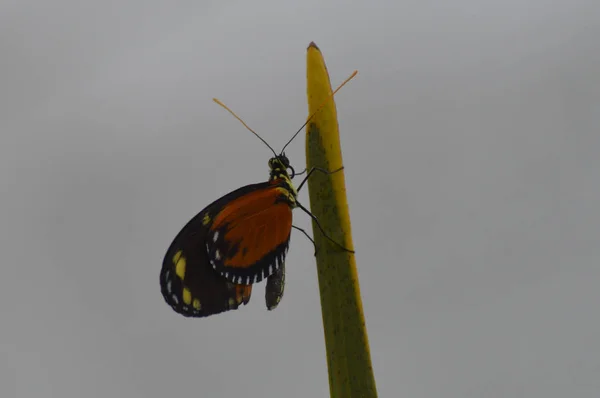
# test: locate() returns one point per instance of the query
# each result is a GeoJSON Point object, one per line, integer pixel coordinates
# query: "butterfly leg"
{"type": "Point", "coordinates": [308, 236]}
{"type": "Point", "coordinates": [312, 170]}
{"type": "Point", "coordinates": [321, 228]}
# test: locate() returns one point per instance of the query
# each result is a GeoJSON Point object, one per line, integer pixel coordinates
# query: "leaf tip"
{"type": "Point", "coordinates": [313, 45]}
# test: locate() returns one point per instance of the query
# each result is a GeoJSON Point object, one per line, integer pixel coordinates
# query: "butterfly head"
{"type": "Point", "coordinates": [279, 166]}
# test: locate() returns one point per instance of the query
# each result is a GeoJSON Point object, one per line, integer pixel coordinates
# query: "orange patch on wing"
{"type": "Point", "coordinates": [242, 293]}
{"type": "Point", "coordinates": [257, 223]}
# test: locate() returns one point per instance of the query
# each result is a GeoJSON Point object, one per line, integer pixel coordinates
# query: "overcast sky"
{"type": "Point", "coordinates": [470, 139]}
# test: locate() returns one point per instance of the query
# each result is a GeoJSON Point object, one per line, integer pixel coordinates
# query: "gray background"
{"type": "Point", "coordinates": [470, 141]}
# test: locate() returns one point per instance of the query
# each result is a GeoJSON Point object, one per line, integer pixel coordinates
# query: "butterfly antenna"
{"type": "Point", "coordinates": [245, 125]}
{"type": "Point", "coordinates": [318, 108]}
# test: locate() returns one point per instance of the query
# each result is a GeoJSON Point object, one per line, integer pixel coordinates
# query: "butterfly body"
{"type": "Point", "coordinates": [236, 241]}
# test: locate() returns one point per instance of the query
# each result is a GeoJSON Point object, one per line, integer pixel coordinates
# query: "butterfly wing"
{"type": "Point", "coordinates": [188, 282]}
{"type": "Point", "coordinates": [191, 286]}
{"type": "Point", "coordinates": [249, 236]}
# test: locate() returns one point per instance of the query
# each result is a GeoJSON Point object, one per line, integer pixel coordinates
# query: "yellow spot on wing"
{"type": "Point", "coordinates": [187, 296]}
{"type": "Point", "coordinates": [205, 219]}
{"type": "Point", "coordinates": [196, 304]}
{"type": "Point", "coordinates": [176, 257]}
{"type": "Point", "coordinates": [231, 301]}
{"type": "Point", "coordinates": [179, 261]}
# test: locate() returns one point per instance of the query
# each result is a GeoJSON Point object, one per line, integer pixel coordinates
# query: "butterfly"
{"type": "Point", "coordinates": [238, 240]}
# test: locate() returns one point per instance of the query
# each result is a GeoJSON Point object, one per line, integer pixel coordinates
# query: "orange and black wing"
{"type": "Point", "coordinates": [188, 282]}
{"type": "Point", "coordinates": [249, 236]}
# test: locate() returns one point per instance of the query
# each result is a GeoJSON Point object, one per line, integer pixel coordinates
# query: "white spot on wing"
{"type": "Point", "coordinates": [226, 274]}
{"type": "Point", "coordinates": [175, 299]}
{"type": "Point", "coordinates": [216, 236]}
{"type": "Point", "coordinates": [169, 286]}
{"type": "Point", "coordinates": [270, 269]}
{"type": "Point", "coordinates": [217, 255]}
